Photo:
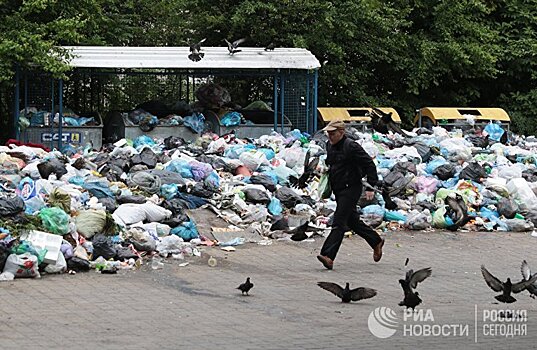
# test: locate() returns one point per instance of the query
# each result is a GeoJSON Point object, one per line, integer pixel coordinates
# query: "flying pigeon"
{"type": "Point", "coordinates": [309, 169]}
{"type": "Point", "coordinates": [410, 282]}
{"type": "Point", "coordinates": [232, 47]}
{"type": "Point", "coordinates": [346, 294]}
{"type": "Point", "coordinates": [505, 287]}
{"type": "Point", "coordinates": [383, 122]}
{"type": "Point", "coordinates": [526, 274]}
{"type": "Point", "coordinates": [195, 49]}
{"type": "Point", "coordinates": [246, 286]}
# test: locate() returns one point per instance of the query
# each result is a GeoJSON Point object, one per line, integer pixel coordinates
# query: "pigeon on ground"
{"type": "Point", "coordinates": [505, 287]}
{"type": "Point", "coordinates": [299, 233]}
{"type": "Point", "coordinates": [195, 49]}
{"type": "Point", "coordinates": [246, 286]}
{"type": "Point", "coordinates": [346, 294]}
{"type": "Point", "coordinates": [270, 47]}
{"type": "Point", "coordinates": [309, 169]}
{"type": "Point", "coordinates": [232, 47]}
{"type": "Point", "coordinates": [458, 211]}
{"type": "Point", "coordinates": [410, 282]}
{"type": "Point", "coordinates": [526, 274]}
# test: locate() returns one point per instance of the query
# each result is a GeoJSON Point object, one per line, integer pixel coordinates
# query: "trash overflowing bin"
{"type": "Point", "coordinates": [142, 200]}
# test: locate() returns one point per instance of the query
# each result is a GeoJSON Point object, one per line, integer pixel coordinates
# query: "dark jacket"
{"type": "Point", "coordinates": [349, 163]}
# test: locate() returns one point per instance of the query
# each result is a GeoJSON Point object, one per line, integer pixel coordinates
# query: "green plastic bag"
{"type": "Point", "coordinates": [55, 220]}
{"type": "Point", "coordinates": [324, 189]}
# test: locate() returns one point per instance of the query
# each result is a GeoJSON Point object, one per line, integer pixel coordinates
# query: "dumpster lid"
{"type": "Point", "coordinates": [451, 113]}
{"type": "Point", "coordinates": [353, 114]}
{"type": "Point", "coordinates": [177, 57]}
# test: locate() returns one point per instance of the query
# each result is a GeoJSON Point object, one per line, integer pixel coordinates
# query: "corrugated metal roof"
{"type": "Point", "coordinates": [177, 57]}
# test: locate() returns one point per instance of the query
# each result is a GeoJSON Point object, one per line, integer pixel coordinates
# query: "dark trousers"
{"type": "Point", "coordinates": [346, 217]}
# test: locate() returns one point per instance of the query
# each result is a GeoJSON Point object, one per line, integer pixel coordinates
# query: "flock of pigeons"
{"type": "Point", "coordinates": [412, 278]}
{"type": "Point", "coordinates": [196, 55]}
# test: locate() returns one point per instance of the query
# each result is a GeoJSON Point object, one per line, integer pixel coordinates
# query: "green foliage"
{"type": "Point", "coordinates": [401, 53]}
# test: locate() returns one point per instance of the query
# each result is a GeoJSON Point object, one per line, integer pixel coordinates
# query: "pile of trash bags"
{"type": "Point", "coordinates": [132, 200]}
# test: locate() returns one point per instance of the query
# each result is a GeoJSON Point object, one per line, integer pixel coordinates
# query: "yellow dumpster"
{"type": "Point", "coordinates": [429, 116]}
{"type": "Point", "coordinates": [354, 116]}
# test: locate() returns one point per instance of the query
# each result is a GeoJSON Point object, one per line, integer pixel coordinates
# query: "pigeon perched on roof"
{"type": "Point", "coordinates": [346, 294]}
{"type": "Point", "coordinates": [232, 47]}
{"type": "Point", "coordinates": [505, 287]}
{"type": "Point", "coordinates": [195, 49]}
{"type": "Point", "coordinates": [270, 47]}
{"type": "Point", "coordinates": [246, 286]}
{"type": "Point", "coordinates": [412, 299]}
{"type": "Point", "coordinates": [526, 274]}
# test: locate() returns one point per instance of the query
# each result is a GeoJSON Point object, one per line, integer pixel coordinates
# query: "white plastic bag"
{"type": "Point", "coordinates": [23, 265]}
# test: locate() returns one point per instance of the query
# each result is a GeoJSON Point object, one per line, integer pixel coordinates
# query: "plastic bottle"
{"type": "Point", "coordinates": [156, 263]}
{"type": "Point", "coordinates": [212, 262]}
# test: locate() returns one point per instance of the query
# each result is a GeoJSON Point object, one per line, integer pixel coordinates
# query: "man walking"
{"type": "Point", "coordinates": [348, 164]}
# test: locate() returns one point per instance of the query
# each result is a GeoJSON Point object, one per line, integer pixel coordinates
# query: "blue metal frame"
{"type": "Point", "coordinates": [16, 106]}
{"type": "Point", "coordinates": [279, 78]}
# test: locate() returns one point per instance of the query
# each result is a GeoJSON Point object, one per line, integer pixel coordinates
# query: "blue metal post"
{"type": "Point", "coordinates": [308, 80]}
{"type": "Point", "coordinates": [60, 112]}
{"type": "Point", "coordinates": [315, 92]}
{"type": "Point", "coordinates": [275, 103]}
{"type": "Point", "coordinates": [16, 103]}
{"type": "Point", "coordinates": [51, 116]}
{"type": "Point", "coordinates": [282, 92]}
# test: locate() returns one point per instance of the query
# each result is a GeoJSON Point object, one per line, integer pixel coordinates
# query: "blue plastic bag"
{"type": "Point", "coordinates": [187, 231]}
{"type": "Point", "coordinates": [275, 206]}
{"type": "Point", "coordinates": [494, 131]}
{"type": "Point", "coordinates": [142, 141]}
{"type": "Point", "coordinates": [231, 119]}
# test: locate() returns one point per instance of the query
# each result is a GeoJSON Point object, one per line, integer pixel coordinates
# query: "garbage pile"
{"type": "Point", "coordinates": [138, 199]}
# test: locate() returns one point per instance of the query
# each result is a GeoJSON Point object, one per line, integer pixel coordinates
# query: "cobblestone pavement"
{"type": "Point", "coordinates": [198, 307]}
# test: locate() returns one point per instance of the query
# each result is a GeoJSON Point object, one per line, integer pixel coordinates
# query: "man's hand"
{"type": "Point", "coordinates": [369, 195]}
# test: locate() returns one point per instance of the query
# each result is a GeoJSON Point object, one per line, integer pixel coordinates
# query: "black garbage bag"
{"type": "Point", "coordinates": [112, 172]}
{"type": "Point", "coordinates": [405, 168]}
{"type": "Point", "coordinates": [474, 172]}
{"type": "Point", "coordinates": [444, 171]}
{"type": "Point", "coordinates": [395, 182]}
{"type": "Point", "coordinates": [11, 206]}
{"type": "Point", "coordinates": [103, 246]}
{"type": "Point", "coordinates": [146, 157]}
{"type": "Point", "coordinates": [201, 190]}
{"type": "Point", "coordinates": [265, 180]}
{"type": "Point", "coordinates": [78, 264]}
{"type": "Point", "coordinates": [5, 251]}
{"type": "Point", "coordinates": [126, 198]}
{"type": "Point", "coordinates": [173, 142]}
{"type": "Point", "coordinates": [51, 166]}
{"type": "Point", "coordinates": [423, 150]}
{"type": "Point", "coordinates": [478, 141]}
{"type": "Point", "coordinates": [507, 208]}
{"type": "Point", "coordinates": [256, 196]}
{"type": "Point", "coordinates": [288, 197]}
{"type": "Point", "coordinates": [125, 253]}
{"type": "Point", "coordinates": [167, 177]}
{"type": "Point", "coordinates": [530, 175]}
{"type": "Point", "coordinates": [212, 95]}
{"type": "Point", "coordinates": [109, 203]}
{"type": "Point", "coordinates": [177, 206]}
